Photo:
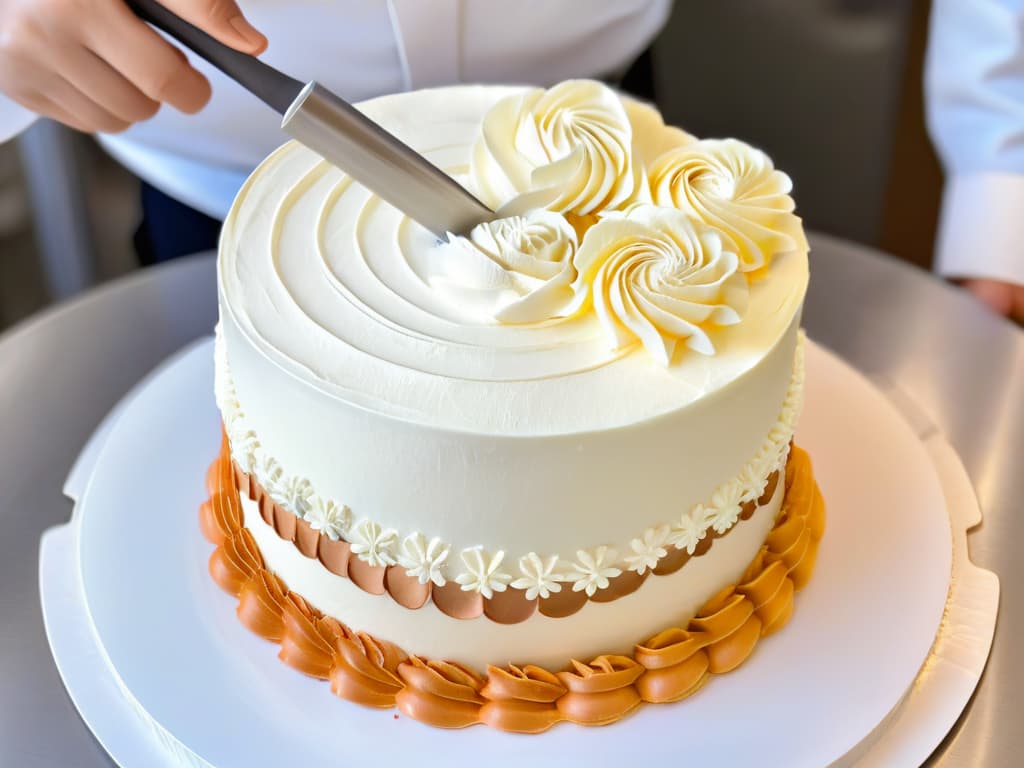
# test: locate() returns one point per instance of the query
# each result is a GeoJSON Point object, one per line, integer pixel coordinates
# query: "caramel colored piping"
{"type": "Point", "coordinates": [508, 607]}
{"type": "Point", "coordinates": [667, 667]}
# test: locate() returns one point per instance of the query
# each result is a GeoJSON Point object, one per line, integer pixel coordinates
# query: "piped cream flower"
{"type": "Point", "coordinates": [754, 476]}
{"type": "Point", "coordinates": [269, 473]}
{"type": "Point", "coordinates": [539, 577]}
{"type": "Point", "coordinates": [331, 519]}
{"type": "Point", "coordinates": [372, 544]}
{"type": "Point", "coordinates": [568, 148]}
{"type": "Point", "coordinates": [294, 494]}
{"type": "Point", "coordinates": [592, 570]}
{"type": "Point", "coordinates": [648, 550]}
{"type": "Point", "coordinates": [688, 532]}
{"type": "Point", "coordinates": [658, 276]}
{"type": "Point", "coordinates": [482, 574]}
{"type": "Point", "coordinates": [423, 560]}
{"type": "Point", "coordinates": [243, 444]}
{"type": "Point", "coordinates": [725, 506]}
{"type": "Point", "coordinates": [735, 188]}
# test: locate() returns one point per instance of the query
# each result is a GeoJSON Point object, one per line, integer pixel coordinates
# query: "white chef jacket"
{"type": "Point", "coordinates": [365, 48]}
{"type": "Point", "coordinates": [974, 85]}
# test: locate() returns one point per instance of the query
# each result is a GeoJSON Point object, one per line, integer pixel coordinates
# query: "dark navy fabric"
{"type": "Point", "coordinates": [170, 229]}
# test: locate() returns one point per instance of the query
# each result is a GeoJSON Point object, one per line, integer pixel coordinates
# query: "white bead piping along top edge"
{"type": "Point", "coordinates": [474, 569]}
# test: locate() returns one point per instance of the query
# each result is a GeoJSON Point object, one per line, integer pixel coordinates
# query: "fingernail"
{"type": "Point", "coordinates": [249, 33]}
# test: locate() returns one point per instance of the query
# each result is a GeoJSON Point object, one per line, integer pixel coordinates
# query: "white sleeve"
{"type": "Point", "coordinates": [974, 85]}
{"type": "Point", "coordinates": [14, 118]}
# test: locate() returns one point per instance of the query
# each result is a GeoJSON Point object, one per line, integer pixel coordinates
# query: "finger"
{"type": "Point", "coordinates": [158, 69]}
{"type": "Point", "coordinates": [223, 20]}
{"type": "Point", "coordinates": [997, 295]}
{"type": "Point", "coordinates": [44, 107]}
{"type": "Point", "coordinates": [85, 111]}
{"type": "Point", "coordinates": [1018, 304]}
{"type": "Point", "coordinates": [103, 84]}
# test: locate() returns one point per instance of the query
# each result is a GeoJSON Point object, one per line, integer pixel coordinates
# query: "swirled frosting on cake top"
{"type": "Point", "coordinates": [630, 257]}
{"type": "Point", "coordinates": [611, 210]}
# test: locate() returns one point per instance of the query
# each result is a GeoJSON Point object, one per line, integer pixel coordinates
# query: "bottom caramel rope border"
{"type": "Point", "coordinates": [529, 699]}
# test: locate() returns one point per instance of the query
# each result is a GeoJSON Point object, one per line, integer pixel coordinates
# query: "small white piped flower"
{"type": "Point", "coordinates": [483, 575]}
{"type": "Point", "coordinates": [754, 478]}
{"type": "Point", "coordinates": [780, 434]}
{"type": "Point", "coordinates": [423, 560]}
{"type": "Point", "coordinates": [648, 550]}
{"type": "Point", "coordinates": [592, 570]}
{"type": "Point", "coordinates": [372, 544]}
{"type": "Point", "coordinates": [230, 408]}
{"type": "Point", "coordinates": [688, 531]}
{"type": "Point", "coordinates": [243, 444]}
{"type": "Point", "coordinates": [789, 413]}
{"type": "Point", "coordinates": [332, 520]}
{"type": "Point", "coordinates": [539, 578]}
{"type": "Point", "coordinates": [783, 456]}
{"type": "Point", "coordinates": [294, 494]}
{"type": "Point", "coordinates": [725, 507]}
{"type": "Point", "coordinates": [269, 473]}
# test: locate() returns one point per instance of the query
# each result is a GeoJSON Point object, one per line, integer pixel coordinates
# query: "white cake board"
{"type": "Point", "coordinates": [164, 674]}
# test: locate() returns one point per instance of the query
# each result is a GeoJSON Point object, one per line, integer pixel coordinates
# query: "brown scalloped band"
{"type": "Point", "coordinates": [525, 699]}
{"type": "Point", "coordinates": [508, 607]}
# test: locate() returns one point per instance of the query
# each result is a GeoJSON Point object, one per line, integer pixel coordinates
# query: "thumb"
{"type": "Point", "coordinates": [221, 19]}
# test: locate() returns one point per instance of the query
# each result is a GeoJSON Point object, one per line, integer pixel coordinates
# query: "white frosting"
{"type": "Point", "coordinates": [592, 569]}
{"type": "Point", "coordinates": [614, 627]}
{"type": "Point", "coordinates": [331, 286]}
{"type": "Point", "coordinates": [351, 371]}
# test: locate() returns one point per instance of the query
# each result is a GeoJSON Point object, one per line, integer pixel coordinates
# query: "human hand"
{"type": "Point", "coordinates": [1006, 299]}
{"type": "Point", "coordinates": [95, 66]}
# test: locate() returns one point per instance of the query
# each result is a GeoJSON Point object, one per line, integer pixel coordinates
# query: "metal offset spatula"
{"type": "Point", "coordinates": [336, 130]}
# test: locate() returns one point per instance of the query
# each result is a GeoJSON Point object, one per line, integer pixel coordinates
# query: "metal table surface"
{"type": "Point", "coordinates": [61, 372]}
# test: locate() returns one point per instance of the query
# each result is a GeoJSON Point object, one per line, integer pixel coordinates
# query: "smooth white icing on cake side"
{"type": "Point", "coordinates": [425, 558]}
{"type": "Point", "coordinates": [597, 628]}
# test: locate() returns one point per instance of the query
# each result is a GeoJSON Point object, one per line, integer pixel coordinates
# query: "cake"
{"type": "Point", "coordinates": [541, 472]}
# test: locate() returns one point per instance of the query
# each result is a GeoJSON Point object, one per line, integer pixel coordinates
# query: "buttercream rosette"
{"type": "Point", "coordinates": [736, 189]}
{"type": "Point", "coordinates": [566, 149]}
{"type": "Point", "coordinates": [660, 277]}
{"type": "Point", "coordinates": [603, 207]}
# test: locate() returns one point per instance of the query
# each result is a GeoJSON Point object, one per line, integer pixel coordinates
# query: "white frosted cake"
{"type": "Point", "coordinates": [543, 472]}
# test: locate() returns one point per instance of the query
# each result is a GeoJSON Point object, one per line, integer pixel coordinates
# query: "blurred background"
{"type": "Point", "coordinates": [831, 89]}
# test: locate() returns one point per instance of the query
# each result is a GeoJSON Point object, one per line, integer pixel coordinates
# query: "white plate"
{"type": "Point", "coordinates": [206, 690]}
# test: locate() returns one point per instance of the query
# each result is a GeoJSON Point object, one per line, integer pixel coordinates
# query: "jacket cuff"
{"type": "Point", "coordinates": [981, 230]}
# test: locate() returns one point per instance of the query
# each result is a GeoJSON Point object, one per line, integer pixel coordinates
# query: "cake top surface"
{"type": "Point", "coordinates": [634, 270]}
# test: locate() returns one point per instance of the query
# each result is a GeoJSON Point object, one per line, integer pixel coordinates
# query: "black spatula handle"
{"type": "Point", "coordinates": [274, 88]}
